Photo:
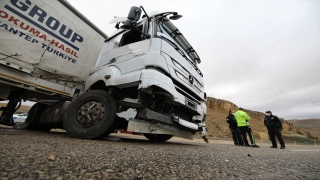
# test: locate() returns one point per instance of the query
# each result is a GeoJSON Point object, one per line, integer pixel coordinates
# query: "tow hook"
{"type": "Point", "coordinates": [202, 126]}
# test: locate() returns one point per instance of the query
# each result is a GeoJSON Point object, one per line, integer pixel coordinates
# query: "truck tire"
{"type": "Point", "coordinates": [91, 115]}
{"type": "Point", "coordinates": [158, 137]}
{"type": "Point", "coordinates": [32, 120]}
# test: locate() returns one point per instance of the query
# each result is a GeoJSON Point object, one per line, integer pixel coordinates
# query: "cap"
{"type": "Point", "coordinates": [240, 108]}
{"type": "Point", "coordinates": [268, 111]}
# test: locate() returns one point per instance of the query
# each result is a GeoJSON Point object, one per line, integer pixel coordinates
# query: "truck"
{"type": "Point", "coordinates": [144, 78]}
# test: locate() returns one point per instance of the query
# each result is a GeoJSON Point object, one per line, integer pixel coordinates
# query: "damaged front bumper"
{"type": "Point", "coordinates": [147, 120]}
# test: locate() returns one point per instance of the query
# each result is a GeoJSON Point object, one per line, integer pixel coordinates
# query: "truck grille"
{"type": "Point", "coordinates": [186, 92]}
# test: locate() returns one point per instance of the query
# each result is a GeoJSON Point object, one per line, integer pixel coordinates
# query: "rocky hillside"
{"type": "Point", "coordinates": [217, 126]}
{"type": "Point", "coordinates": [311, 126]}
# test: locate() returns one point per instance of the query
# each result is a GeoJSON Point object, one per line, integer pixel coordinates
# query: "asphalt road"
{"type": "Point", "coordinates": [55, 155]}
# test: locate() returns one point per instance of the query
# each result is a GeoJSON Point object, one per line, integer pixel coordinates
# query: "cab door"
{"type": "Point", "coordinates": [130, 50]}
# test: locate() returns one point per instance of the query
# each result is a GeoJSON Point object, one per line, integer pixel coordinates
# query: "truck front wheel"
{"type": "Point", "coordinates": [91, 115]}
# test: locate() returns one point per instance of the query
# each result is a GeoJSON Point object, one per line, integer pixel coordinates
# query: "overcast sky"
{"type": "Point", "coordinates": [260, 55]}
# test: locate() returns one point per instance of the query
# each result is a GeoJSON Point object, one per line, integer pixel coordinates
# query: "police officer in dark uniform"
{"type": "Point", "coordinates": [274, 127]}
{"type": "Point", "coordinates": [237, 139]}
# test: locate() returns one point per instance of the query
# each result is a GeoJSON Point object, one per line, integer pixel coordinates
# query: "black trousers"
{"type": "Point", "coordinates": [244, 130]}
{"type": "Point", "coordinates": [272, 134]}
{"type": "Point", "coordinates": [236, 136]}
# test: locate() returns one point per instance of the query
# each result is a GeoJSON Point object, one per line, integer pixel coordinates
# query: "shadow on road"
{"type": "Point", "coordinates": [113, 137]}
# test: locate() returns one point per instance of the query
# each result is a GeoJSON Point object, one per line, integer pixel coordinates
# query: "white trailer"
{"type": "Point", "coordinates": [47, 50]}
{"type": "Point", "coordinates": [144, 78]}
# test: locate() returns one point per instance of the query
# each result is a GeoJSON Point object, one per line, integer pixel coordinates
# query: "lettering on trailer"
{"type": "Point", "coordinates": [50, 22]}
{"type": "Point", "coordinates": [43, 46]}
{"type": "Point", "coordinates": [34, 31]}
{"type": "Point", "coordinates": [65, 41]}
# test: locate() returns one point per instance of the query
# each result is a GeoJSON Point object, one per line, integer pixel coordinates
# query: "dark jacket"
{"type": "Point", "coordinates": [272, 122]}
{"type": "Point", "coordinates": [232, 121]}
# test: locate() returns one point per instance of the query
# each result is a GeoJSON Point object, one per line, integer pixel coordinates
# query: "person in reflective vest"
{"type": "Point", "coordinates": [243, 125]}
{"type": "Point", "coordinates": [236, 136]}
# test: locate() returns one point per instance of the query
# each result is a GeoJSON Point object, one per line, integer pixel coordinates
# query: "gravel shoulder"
{"type": "Point", "coordinates": [55, 155]}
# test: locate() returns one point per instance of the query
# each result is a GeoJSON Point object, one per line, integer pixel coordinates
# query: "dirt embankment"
{"type": "Point", "coordinates": [217, 126]}
{"type": "Point", "coordinates": [311, 126]}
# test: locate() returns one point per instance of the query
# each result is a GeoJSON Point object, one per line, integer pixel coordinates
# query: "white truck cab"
{"type": "Point", "coordinates": [151, 71]}
{"type": "Point", "coordinates": [144, 78]}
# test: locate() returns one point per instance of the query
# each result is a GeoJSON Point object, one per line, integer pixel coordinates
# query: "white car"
{"type": "Point", "coordinates": [20, 118]}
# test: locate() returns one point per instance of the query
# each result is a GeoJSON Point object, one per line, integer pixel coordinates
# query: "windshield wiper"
{"type": "Point", "coordinates": [176, 47]}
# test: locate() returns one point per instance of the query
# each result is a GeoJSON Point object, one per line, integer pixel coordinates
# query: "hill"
{"type": "Point", "coordinates": [310, 125]}
{"type": "Point", "coordinates": [217, 127]}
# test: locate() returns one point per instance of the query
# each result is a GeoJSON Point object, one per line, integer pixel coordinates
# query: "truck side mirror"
{"type": "Point", "coordinates": [133, 17]}
{"type": "Point", "coordinates": [134, 13]}
{"type": "Point", "coordinates": [175, 17]}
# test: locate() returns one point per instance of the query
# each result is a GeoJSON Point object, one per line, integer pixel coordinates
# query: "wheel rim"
{"type": "Point", "coordinates": [90, 113]}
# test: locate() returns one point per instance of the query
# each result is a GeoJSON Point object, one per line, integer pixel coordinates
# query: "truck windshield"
{"type": "Point", "coordinates": [165, 26]}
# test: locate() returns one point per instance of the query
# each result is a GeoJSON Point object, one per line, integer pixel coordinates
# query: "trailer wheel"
{"type": "Point", "coordinates": [158, 137]}
{"type": "Point", "coordinates": [32, 121]}
{"type": "Point", "coordinates": [91, 115]}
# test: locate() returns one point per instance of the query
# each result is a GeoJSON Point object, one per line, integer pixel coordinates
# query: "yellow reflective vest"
{"type": "Point", "coordinates": [242, 118]}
